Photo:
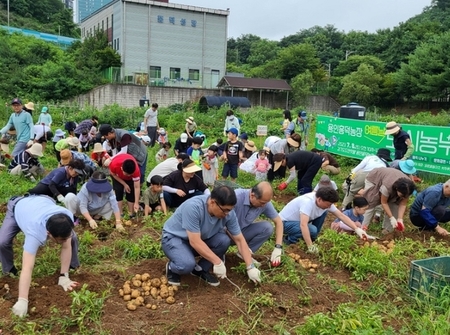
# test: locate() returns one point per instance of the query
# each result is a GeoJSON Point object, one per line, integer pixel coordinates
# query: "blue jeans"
{"type": "Point", "coordinates": [294, 234]}
{"type": "Point", "coordinates": [18, 148]}
{"type": "Point", "coordinates": [182, 256]}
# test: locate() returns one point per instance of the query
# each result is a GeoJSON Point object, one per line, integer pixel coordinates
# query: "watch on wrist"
{"type": "Point", "coordinates": [279, 246]}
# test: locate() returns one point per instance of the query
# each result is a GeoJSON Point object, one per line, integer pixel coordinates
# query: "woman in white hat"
{"type": "Point", "coordinates": [95, 200]}
{"type": "Point", "coordinates": [401, 140]}
{"type": "Point", "coordinates": [190, 127]}
{"type": "Point", "coordinates": [27, 163]}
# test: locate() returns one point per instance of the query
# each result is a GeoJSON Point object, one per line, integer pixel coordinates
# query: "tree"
{"type": "Point", "coordinates": [261, 52]}
{"type": "Point", "coordinates": [302, 87]}
{"type": "Point", "coordinates": [296, 59]}
{"type": "Point", "coordinates": [353, 62]}
{"type": "Point", "coordinates": [362, 86]}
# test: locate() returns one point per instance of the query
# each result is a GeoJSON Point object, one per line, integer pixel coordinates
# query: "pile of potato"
{"type": "Point", "coordinates": [305, 263]}
{"type": "Point", "coordinates": [386, 247]}
{"type": "Point", "coordinates": [142, 290]}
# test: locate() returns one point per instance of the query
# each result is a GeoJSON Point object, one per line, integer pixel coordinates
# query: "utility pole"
{"type": "Point", "coordinates": [348, 53]}
{"type": "Point", "coordinates": [8, 12]}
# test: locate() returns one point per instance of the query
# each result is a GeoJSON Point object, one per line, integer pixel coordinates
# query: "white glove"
{"type": "Point", "coordinates": [312, 249]}
{"type": "Point", "coordinates": [120, 228]}
{"type": "Point", "coordinates": [393, 222]}
{"type": "Point", "coordinates": [93, 224]}
{"type": "Point", "coordinates": [361, 233]}
{"type": "Point", "coordinates": [220, 270]}
{"type": "Point", "coordinates": [32, 179]}
{"type": "Point", "coordinates": [20, 308]}
{"type": "Point", "coordinates": [66, 283]}
{"type": "Point", "coordinates": [254, 275]}
{"type": "Point", "coordinates": [60, 198]}
{"type": "Point", "coordinates": [275, 258]}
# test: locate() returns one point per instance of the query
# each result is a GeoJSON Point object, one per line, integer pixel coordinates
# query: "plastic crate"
{"type": "Point", "coordinates": [225, 182]}
{"type": "Point", "coordinates": [428, 277]}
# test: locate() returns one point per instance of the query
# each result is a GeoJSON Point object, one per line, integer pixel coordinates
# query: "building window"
{"type": "Point", "coordinates": [175, 73]}
{"type": "Point", "coordinates": [194, 74]}
{"type": "Point", "coordinates": [155, 72]}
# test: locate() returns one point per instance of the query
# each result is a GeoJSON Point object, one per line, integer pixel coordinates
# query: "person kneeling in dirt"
{"type": "Point", "coordinates": [303, 217]}
{"type": "Point", "coordinates": [27, 163]}
{"type": "Point", "coordinates": [431, 207]}
{"type": "Point", "coordinates": [48, 222]}
{"type": "Point", "coordinates": [197, 229]}
{"type": "Point", "coordinates": [251, 203]}
{"type": "Point", "coordinates": [95, 200]}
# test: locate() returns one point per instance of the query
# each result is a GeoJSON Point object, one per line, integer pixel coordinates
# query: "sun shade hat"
{"type": "Point", "coordinates": [105, 129]}
{"type": "Point", "coordinates": [36, 150]}
{"type": "Point", "coordinates": [233, 131]}
{"type": "Point", "coordinates": [44, 109]}
{"type": "Point", "coordinates": [30, 106]}
{"type": "Point", "coordinates": [60, 133]}
{"type": "Point", "coordinates": [73, 141]}
{"type": "Point", "coordinates": [407, 166]}
{"type": "Point", "coordinates": [162, 131]}
{"type": "Point", "coordinates": [66, 156]}
{"type": "Point", "coordinates": [385, 154]}
{"type": "Point", "coordinates": [16, 101]}
{"type": "Point", "coordinates": [392, 128]}
{"type": "Point", "coordinates": [100, 185]}
{"type": "Point", "coordinates": [294, 140]}
{"type": "Point", "coordinates": [98, 148]}
{"type": "Point", "coordinates": [250, 146]}
{"type": "Point", "coordinates": [190, 120]}
{"type": "Point", "coordinates": [189, 166]}
{"type": "Point", "coordinates": [277, 160]}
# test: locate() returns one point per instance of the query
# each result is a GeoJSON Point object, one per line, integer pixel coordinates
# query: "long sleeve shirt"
{"type": "Point", "coordinates": [23, 123]}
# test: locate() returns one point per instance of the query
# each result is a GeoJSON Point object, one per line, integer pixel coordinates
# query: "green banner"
{"type": "Point", "coordinates": [360, 138]}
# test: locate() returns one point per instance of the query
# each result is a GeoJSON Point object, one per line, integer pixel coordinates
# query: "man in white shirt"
{"type": "Point", "coordinates": [166, 167]}
{"type": "Point", "coordinates": [303, 217]}
{"type": "Point", "coordinates": [151, 123]}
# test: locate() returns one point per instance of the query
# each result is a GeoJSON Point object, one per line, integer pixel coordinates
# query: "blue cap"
{"type": "Point", "coordinates": [44, 110]}
{"type": "Point", "coordinates": [244, 136]}
{"type": "Point", "coordinates": [16, 101]}
{"type": "Point", "coordinates": [233, 131]}
{"type": "Point", "coordinates": [303, 114]}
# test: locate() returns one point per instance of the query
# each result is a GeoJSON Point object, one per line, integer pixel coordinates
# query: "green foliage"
{"type": "Point", "coordinates": [301, 87]}
{"type": "Point", "coordinates": [145, 247]}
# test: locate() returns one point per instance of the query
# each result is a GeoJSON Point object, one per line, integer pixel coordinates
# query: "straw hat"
{"type": "Point", "coordinates": [190, 120]}
{"type": "Point", "coordinates": [98, 148]}
{"type": "Point", "coordinates": [36, 150]}
{"type": "Point", "coordinates": [66, 156]}
{"type": "Point", "coordinates": [294, 140]}
{"type": "Point", "coordinates": [250, 146]}
{"type": "Point", "coordinates": [30, 106]}
{"type": "Point", "coordinates": [189, 166]}
{"type": "Point", "coordinates": [278, 159]}
{"type": "Point", "coordinates": [73, 141]}
{"type": "Point", "coordinates": [392, 128]}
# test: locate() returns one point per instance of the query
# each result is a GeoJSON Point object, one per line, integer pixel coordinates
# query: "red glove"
{"type": "Point", "coordinates": [282, 186]}
{"type": "Point", "coordinates": [400, 226]}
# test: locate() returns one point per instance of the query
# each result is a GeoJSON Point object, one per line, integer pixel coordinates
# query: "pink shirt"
{"type": "Point", "coordinates": [262, 165]}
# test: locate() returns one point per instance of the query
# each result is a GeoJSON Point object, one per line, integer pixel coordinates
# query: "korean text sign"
{"type": "Point", "coordinates": [360, 138]}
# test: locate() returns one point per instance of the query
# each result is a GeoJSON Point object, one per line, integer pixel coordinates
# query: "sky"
{"type": "Point", "coordinates": [276, 19]}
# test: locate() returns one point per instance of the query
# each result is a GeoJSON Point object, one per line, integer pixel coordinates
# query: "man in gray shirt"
{"type": "Point", "coordinates": [197, 229]}
{"type": "Point", "coordinates": [251, 203]}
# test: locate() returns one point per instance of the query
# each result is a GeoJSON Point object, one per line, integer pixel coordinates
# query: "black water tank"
{"type": "Point", "coordinates": [353, 111]}
{"type": "Point", "coordinates": [216, 101]}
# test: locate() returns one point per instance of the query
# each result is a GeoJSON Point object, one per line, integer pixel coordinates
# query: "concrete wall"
{"type": "Point", "coordinates": [129, 96]}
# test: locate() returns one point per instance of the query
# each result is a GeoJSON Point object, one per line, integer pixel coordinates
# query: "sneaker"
{"type": "Point", "coordinates": [172, 278]}
{"type": "Point", "coordinates": [253, 260]}
{"type": "Point", "coordinates": [207, 277]}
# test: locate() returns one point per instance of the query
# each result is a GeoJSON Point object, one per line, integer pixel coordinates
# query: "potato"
{"type": "Point", "coordinates": [170, 300]}
{"type": "Point", "coordinates": [147, 293]}
{"type": "Point", "coordinates": [154, 292]}
{"type": "Point", "coordinates": [175, 288]}
{"type": "Point", "coordinates": [164, 294]}
{"type": "Point", "coordinates": [139, 301]}
{"type": "Point", "coordinates": [128, 282]}
{"type": "Point", "coordinates": [128, 223]}
{"type": "Point", "coordinates": [135, 293]}
{"type": "Point", "coordinates": [149, 306]}
{"type": "Point", "coordinates": [154, 307]}
{"type": "Point", "coordinates": [121, 292]}
{"type": "Point", "coordinates": [314, 266]}
{"type": "Point", "coordinates": [158, 298]}
{"type": "Point", "coordinates": [126, 289]}
{"type": "Point", "coordinates": [137, 277]}
{"type": "Point", "coordinates": [137, 283]}
{"type": "Point", "coordinates": [131, 306]}
{"type": "Point", "coordinates": [163, 287]}
{"type": "Point", "coordinates": [163, 280]}
{"type": "Point", "coordinates": [146, 288]}
{"type": "Point", "coordinates": [156, 282]}
{"type": "Point", "coordinates": [127, 297]}
{"type": "Point", "coordinates": [145, 277]}
{"type": "Point", "coordinates": [312, 270]}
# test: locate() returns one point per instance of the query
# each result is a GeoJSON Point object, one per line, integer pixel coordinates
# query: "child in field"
{"type": "Point", "coordinates": [195, 151]}
{"type": "Point", "coordinates": [356, 214]}
{"type": "Point", "coordinates": [262, 165]}
{"type": "Point", "coordinates": [164, 152]}
{"type": "Point", "coordinates": [210, 166]}
{"type": "Point", "coordinates": [219, 144]}
{"type": "Point", "coordinates": [85, 140]}
{"type": "Point", "coordinates": [162, 137]}
{"type": "Point", "coordinates": [153, 197]}
{"type": "Point", "coordinates": [233, 153]}
{"type": "Point", "coordinates": [100, 156]}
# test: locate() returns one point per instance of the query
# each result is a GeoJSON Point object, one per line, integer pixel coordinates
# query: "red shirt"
{"type": "Point", "coordinates": [116, 167]}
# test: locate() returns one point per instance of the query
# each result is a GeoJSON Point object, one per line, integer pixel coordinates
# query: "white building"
{"type": "Point", "coordinates": [164, 44]}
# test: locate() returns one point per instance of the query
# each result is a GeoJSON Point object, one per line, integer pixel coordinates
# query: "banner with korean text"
{"type": "Point", "coordinates": [359, 138]}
